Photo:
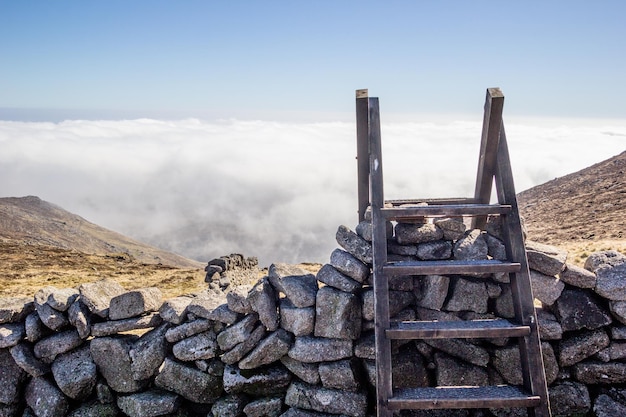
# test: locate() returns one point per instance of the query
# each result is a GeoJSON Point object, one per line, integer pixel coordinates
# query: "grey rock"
{"type": "Point", "coordinates": [188, 382]}
{"type": "Point", "coordinates": [364, 229]}
{"type": "Point", "coordinates": [51, 318]}
{"type": "Point", "coordinates": [270, 407]}
{"type": "Point", "coordinates": [229, 406]}
{"type": "Point", "coordinates": [299, 286]}
{"type": "Point", "coordinates": [454, 372]}
{"type": "Point", "coordinates": [318, 349]}
{"type": "Point", "coordinates": [97, 295]}
{"type": "Point", "coordinates": [578, 309]}
{"type": "Point", "coordinates": [618, 310]}
{"type": "Point", "coordinates": [604, 258]}
{"type": "Point", "coordinates": [75, 373]}
{"type": "Point", "coordinates": [34, 327]}
{"type": "Point", "coordinates": [104, 393]}
{"type": "Point", "coordinates": [412, 233]}
{"type": "Point", "coordinates": [135, 303]}
{"type": "Point", "coordinates": [263, 301]}
{"type": "Point", "coordinates": [581, 346]}
{"type": "Point", "coordinates": [11, 334]}
{"type": "Point", "coordinates": [15, 309]}
{"type": "Point", "coordinates": [203, 304]}
{"type": "Point", "coordinates": [605, 406]}
{"type": "Point", "coordinates": [107, 328]}
{"type": "Point", "coordinates": [333, 278]}
{"type": "Point", "coordinates": [577, 276]}
{"type": "Point", "coordinates": [238, 352]}
{"type": "Point", "coordinates": [468, 295]}
{"type": "Point", "coordinates": [461, 349]}
{"type": "Point", "coordinates": [507, 362]}
{"type": "Point", "coordinates": [546, 288]}
{"type": "Point", "coordinates": [45, 399]}
{"type": "Point", "coordinates": [569, 398]}
{"type": "Point", "coordinates": [266, 381]}
{"type": "Point", "coordinates": [549, 260]}
{"type": "Point", "coordinates": [453, 229]}
{"type": "Point", "coordinates": [436, 250]}
{"type": "Point", "coordinates": [408, 369]}
{"type": "Point", "coordinates": [600, 373]}
{"type": "Point", "coordinates": [398, 301]}
{"type": "Point", "coordinates": [269, 350]}
{"type": "Point", "coordinates": [47, 349]}
{"type": "Point", "coordinates": [549, 326]}
{"type": "Point", "coordinates": [180, 332]}
{"type": "Point", "coordinates": [79, 316]}
{"type": "Point", "coordinates": [24, 357]}
{"type": "Point", "coordinates": [297, 412]}
{"type": "Point", "coordinates": [238, 332]}
{"type": "Point", "coordinates": [223, 314]}
{"type": "Point", "coordinates": [472, 246]}
{"type": "Point", "coordinates": [150, 403]}
{"type": "Point", "coordinates": [618, 332]}
{"type": "Point", "coordinates": [348, 265]}
{"type": "Point", "coordinates": [308, 372]}
{"type": "Point", "coordinates": [341, 375]}
{"type": "Point", "coordinates": [337, 314]}
{"type": "Point", "coordinates": [326, 400]}
{"type": "Point", "coordinates": [112, 356]}
{"type": "Point", "coordinates": [402, 250]}
{"type": "Point", "coordinates": [95, 409]}
{"type": "Point", "coordinates": [615, 351]}
{"type": "Point", "coordinates": [148, 353]}
{"type": "Point", "coordinates": [503, 305]}
{"type": "Point", "coordinates": [200, 346]}
{"type": "Point", "coordinates": [62, 298]}
{"type": "Point", "coordinates": [174, 310]}
{"type": "Point", "coordinates": [354, 244]}
{"type": "Point", "coordinates": [237, 299]}
{"type": "Point", "coordinates": [299, 321]}
{"type": "Point", "coordinates": [495, 247]}
{"type": "Point", "coordinates": [611, 282]}
{"type": "Point", "coordinates": [431, 291]}
{"type": "Point", "coordinates": [494, 226]}
{"type": "Point", "coordinates": [11, 378]}
{"type": "Point", "coordinates": [365, 347]}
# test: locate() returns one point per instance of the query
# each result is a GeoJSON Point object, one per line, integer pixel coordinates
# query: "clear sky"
{"type": "Point", "coordinates": [304, 59]}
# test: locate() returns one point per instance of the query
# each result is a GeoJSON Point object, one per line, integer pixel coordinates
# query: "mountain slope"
{"type": "Point", "coordinates": [32, 221]}
{"type": "Point", "coordinates": [588, 205]}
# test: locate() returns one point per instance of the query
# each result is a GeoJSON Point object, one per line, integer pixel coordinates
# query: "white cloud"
{"type": "Point", "coordinates": [273, 190]}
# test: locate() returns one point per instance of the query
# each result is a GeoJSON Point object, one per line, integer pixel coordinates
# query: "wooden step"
{"type": "Point", "coordinates": [488, 328]}
{"type": "Point", "coordinates": [490, 266]}
{"type": "Point", "coordinates": [410, 212]}
{"type": "Point", "coordinates": [500, 396]}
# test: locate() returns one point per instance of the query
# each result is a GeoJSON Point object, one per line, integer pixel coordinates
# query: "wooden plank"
{"type": "Point", "coordinates": [490, 266]}
{"type": "Point", "coordinates": [489, 328]}
{"type": "Point", "coordinates": [362, 152]}
{"type": "Point", "coordinates": [432, 201]}
{"type": "Point", "coordinates": [500, 396]}
{"type": "Point", "coordinates": [398, 213]}
{"type": "Point", "coordinates": [379, 248]}
{"type": "Point", "coordinates": [492, 121]}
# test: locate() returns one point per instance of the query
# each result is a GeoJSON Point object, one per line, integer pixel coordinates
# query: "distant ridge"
{"type": "Point", "coordinates": [32, 221]}
{"type": "Point", "coordinates": [586, 205]}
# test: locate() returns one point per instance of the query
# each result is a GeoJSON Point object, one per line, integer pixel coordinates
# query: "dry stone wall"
{"type": "Point", "coordinates": [295, 344]}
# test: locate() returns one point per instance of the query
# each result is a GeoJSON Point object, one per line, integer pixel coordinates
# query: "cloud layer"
{"type": "Point", "coordinates": [268, 189]}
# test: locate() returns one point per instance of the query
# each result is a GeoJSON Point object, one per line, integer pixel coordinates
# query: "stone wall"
{"type": "Point", "coordinates": [297, 344]}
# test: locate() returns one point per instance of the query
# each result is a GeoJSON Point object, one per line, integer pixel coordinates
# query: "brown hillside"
{"type": "Point", "coordinates": [584, 210]}
{"type": "Point", "coordinates": [32, 221]}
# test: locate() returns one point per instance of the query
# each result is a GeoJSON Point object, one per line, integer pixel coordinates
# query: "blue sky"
{"type": "Point", "coordinates": [213, 127]}
{"type": "Point", "coordinates": [294, 59]}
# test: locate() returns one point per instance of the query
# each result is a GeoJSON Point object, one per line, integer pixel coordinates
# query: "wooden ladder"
{"type": "Point", "coordinates": [493, 164]}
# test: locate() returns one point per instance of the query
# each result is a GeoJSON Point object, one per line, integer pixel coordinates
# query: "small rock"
{"type": "Point", "coordinates": [174, 310]}
{"type": "Point", "coordinates": [578, 277]}
{"type": "Point", "coordinates": [347, 264]}
{"type": "Point", "coordinates": [574, 349]}
{"type": "Point", "coordinates": [545, 288]}
{"type": "Point", "coordinates": [188, 382]}
{"type": "Point", "coordinates": [75, 373]}
{"type": "Point", "coordinates": [333, 278]}
{"type": "Point", "coordinates": [269, 350]}
{"type": "Point", "coordinates": [97, 295]}
{"type": "Point", "coordinates": [337, 314]}
{"type": "Point", "coordinates": [45, 399]}
{"type": "Point", "coordinates": [354, 244]}
{"type": "Point", "coordinates": [299, 321]}
{"type": "Point", "coordinates": [200, 346]}
{"type": "Point", "coordinates": [263, 301]}
{"type": "Point", "coordinates": [549, 260]}
{"type": "Point", "coordinates": [326, 400]}
{"type": "Point", "coordinates": [318, 349]}
{"type": "Point", "coordinates": [150, 403]}
{"type": "Point", "coordinates": [265, 381]}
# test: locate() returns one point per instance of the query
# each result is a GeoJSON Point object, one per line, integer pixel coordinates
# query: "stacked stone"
{"type": "Point", "coordinates": [295, 344]}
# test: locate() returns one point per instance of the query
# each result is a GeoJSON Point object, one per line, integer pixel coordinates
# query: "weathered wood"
{"type": "Point", "coordinates": [492, 121]}
{"type": "Point", "coordinates": [462, 397]}
{"type": "Point", "coordinates": [399, 213]}
{"type": "Point", "coordinates": [379, 248]}
{"type": "Point", "coordinates": [488, 266]}
{"type": "Point", "coordinates": [362, 152]}
{"type": "Point", "coordinates": [530, 347]}
{"type": "Point", "coordinates": [462, 329]}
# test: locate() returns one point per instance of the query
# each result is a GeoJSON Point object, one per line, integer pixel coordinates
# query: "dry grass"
{"type": "Point", "coordinates": [579, 251]}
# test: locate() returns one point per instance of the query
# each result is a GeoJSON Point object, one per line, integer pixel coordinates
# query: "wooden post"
{"type": "Point", "coordinates": [492, 121]}
{"type": "Point", "coordinates": [362, 151]}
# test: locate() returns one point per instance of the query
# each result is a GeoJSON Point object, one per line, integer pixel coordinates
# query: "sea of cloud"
{"type": "Point", "coordinates": [275, 190]}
